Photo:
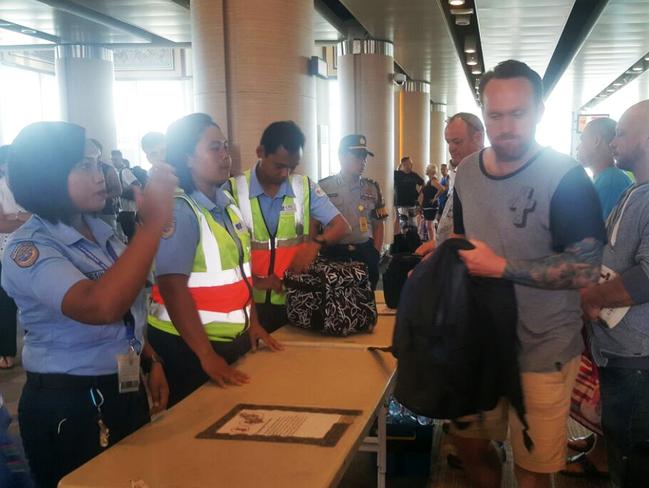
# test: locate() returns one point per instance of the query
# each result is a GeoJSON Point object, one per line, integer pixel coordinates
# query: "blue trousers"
{"type": "Point", "coordinates": [625, 421]}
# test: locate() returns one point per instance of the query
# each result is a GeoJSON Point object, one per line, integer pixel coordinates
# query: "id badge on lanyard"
{"type": "Point", "coordinates": [128, 364]}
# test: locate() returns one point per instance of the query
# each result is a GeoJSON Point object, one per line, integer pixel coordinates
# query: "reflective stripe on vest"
{"type": "Point", "coordinates": [273, 255]}
{"type": "Point", "coordinates": [217, 282]}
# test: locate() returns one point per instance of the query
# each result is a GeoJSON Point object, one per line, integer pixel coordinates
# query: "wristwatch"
{"type": "Point", "coordinates": [147, 363]}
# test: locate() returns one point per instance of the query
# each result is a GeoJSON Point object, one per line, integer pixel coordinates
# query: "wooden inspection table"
{"type": "Point", "coordinates": [166, 453]}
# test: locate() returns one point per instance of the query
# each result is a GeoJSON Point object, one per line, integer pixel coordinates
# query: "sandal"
{"type": "Point", "coordinates": [582, 444]}
{"type": "Point", "coordinates": [6, 362]}
{"type": "Point", "coordinates": [586, 468]}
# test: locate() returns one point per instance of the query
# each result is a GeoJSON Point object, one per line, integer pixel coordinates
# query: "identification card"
{"type": "Point", "coordinates": [128, 371]}
{"type": "Point", "coordinates": [362, 223]}
{"type": "Point", "coordinates": [611, 316]}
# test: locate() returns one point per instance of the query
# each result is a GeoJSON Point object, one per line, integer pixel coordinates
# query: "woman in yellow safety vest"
{"type": "Point", "coordinates": [200, 317]}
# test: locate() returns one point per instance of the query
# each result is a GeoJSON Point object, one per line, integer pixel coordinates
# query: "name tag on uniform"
{"type": "Point", "coordinates": [128, 371]}
{"type": "Point", "coordinates": [289, 208]}
{"type": "Point", "coordinates": [362, 223]}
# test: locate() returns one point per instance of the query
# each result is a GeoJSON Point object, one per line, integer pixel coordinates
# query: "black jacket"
{"type": "Point", "coordinates": [455, 340]}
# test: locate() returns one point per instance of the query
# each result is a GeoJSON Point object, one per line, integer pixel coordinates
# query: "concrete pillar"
{"type": "Point", "coordinates": [437, 126]}
{"type": "Point", "coordinates": [415, 124]}
{"type": "Point", "coordinates": [365, 69]}
{"type": "Point", "coordinates": [250, 60]}
{"type": "Point", "coordinates": [85, 77]}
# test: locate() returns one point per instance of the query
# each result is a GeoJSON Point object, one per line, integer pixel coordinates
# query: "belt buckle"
{"type": "Point", "coordinates": [351, 247]}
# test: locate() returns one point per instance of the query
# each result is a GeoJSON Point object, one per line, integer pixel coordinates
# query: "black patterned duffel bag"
{"type": "Point", "coordinates": [333, 298]}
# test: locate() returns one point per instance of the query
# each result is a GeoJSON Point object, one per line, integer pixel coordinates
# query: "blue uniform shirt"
{"type": "Point", "coordinates": [41, 263]}
{"type": "Point", "coordinates": [321, 208]}
{"type": "Point", "coordinates": [178, 245]}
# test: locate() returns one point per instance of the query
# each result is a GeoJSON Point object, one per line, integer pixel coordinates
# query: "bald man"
{"type": "Point", "coordinates": [594, 152]}
{"type": "Point", "coordinates": [464, 135]}
{"type": "Point", "coordinates": [619, 309]}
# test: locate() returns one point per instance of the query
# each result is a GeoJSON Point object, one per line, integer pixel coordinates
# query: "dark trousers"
{"type": "Point", "coordinates": [182, 367]}
{"type": "Point", "coordinates": [271, 316]}
{"type": "Point", "coordinates": [7, 324]}
{"type": "Point", "coordinates": [59, 426]}
{"type": "Point", "coordinates": [127, 221]}
{"type": "Point", "coordinates": [625, 421]}
{"type": "Point", "coordinates": [365, 253]}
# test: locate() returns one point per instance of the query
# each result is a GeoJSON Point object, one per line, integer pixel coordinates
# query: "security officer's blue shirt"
{"type": "Point", "coordinates": [41, 263]}
{"type": "Point", "coordinates": [320, 208]}
{"type": "Point", "coordinates": [178, 244]}
{"type": "Point", "coordinates": [359, 200]}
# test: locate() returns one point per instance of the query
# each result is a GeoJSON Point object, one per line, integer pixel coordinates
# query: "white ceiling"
{"type": "Point", "coordinates": [529, 31]}
{"type": "Point", "coordinates": [422, 44]}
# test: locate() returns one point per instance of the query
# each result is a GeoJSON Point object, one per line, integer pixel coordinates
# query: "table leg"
{"type": "Point", "coordinates": [381, 455]}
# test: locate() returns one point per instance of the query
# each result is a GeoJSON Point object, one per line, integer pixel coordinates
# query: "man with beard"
{"type": "Point", "coordinates": [535, 219]}
{"type": "Point", "coordinates": [619, 308]}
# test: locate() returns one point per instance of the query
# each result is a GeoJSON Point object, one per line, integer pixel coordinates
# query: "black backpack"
{"type": "Point", "coordinates": [332, 298]}
{"type": "Point", "coordinates": [455, 340]}
{"type": "Point", "coordinates": [395, 276]}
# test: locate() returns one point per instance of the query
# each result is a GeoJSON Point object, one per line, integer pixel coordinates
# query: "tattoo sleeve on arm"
{"type": "Point", "coordinates": [577, 267]}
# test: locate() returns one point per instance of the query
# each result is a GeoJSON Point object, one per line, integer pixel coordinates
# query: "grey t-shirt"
{"type": "Point", "coordinates": [627, 254]}
{"type": "Point", "coordinates": [537, 211]}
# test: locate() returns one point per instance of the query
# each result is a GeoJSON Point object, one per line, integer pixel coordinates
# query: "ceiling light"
{"type": "Point", "coordinates": [461, 11]}
{"type": "Point", "coordinates": [471, 59]}
{"type": "Point", "coordinates": [646, 58]}
{"type": "Point", "coordinates": [476, 70]}
{"type": "Point", "coordinates": [638, 67]}
{"type": "Point", "coordinates": [610, 90]}
{"type": "Point", "coordinates": [618, 83]}
{"type": "Point", "coordinates": [455, 3]}
{"type": "Point", "coordinates": [28, 31]}
{"type": "Point", "coordinates": [462, 20]}
{"type": "Point", "coordinates": [470, 45]}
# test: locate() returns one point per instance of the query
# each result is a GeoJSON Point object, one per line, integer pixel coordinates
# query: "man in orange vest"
{"type": "Point", "coordinates": [278, 207]}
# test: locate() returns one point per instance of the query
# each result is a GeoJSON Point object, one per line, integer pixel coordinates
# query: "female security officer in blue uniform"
{"type": "Point", "coordinates": [80, 298]}
{"type": "Point", "coordinates": [201, 319]}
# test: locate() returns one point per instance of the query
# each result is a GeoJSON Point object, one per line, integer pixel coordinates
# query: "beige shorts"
{"type": "Point", "coordinates": [547, 404]}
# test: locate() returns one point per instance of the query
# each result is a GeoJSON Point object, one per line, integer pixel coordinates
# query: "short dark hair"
{"type": "Point", "coordinates": [603, 127]}
{"type": "Point", "coordinates": [405, 158]}
{"type": "Point", "coordinates": [286, 134]}
{"type": "Point", "coordinates": [151, 140]}
{"type": "Point", "coordinates": [40, 159]}
{"type": "Point", "coordinates": [513, 69]}
{"type": "Point", "coordinates": [182, 137]}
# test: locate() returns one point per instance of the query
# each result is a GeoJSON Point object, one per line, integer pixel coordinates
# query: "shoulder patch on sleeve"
{"type": "Point", "coordinates": [169, 230]}
{"type": "Point", "coordinates": [25, 254]}
{"type": "Point", "coordinates": [319, 191]}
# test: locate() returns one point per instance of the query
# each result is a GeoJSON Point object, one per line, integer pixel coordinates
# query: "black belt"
{"type": "Point", "coordinates": [54, 381]}
{"type": "Point", "coordinates": [347, 247]}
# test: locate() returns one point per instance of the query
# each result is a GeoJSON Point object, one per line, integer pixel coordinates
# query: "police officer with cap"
{"type": "Point", "coordinates": [360, 201]}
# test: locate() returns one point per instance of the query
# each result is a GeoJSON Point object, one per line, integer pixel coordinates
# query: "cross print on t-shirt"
{"type": "Point", "coordinates": [522, 204]}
